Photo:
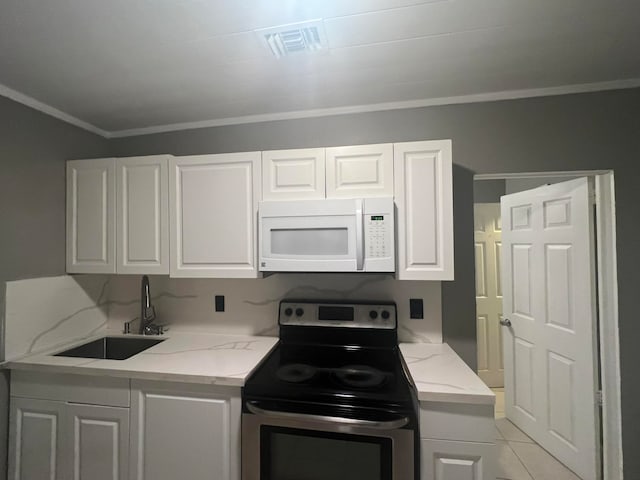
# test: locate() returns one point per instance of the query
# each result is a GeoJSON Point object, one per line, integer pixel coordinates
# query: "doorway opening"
{"type": "Point", "coordinates": [538, 402]}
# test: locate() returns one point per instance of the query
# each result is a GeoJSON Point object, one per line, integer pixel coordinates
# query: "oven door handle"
{"type": "Point", "coordinates": [352, 422]}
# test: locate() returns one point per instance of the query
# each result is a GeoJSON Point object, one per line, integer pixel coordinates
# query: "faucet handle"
{"type": "Point", "coordinates": [155, 329]}
{"type": "Point", "coordinates": [127, 326]}
{"type": "Point", "coordinates": [149, 313]}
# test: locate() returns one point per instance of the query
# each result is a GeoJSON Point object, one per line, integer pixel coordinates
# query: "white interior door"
{"type": "Point", "coordinates": [549, 348]}
{"type": "Point", "coordinates": [488, 244]}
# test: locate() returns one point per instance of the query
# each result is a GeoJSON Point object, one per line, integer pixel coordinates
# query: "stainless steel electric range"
{"type": "Point", "coordinates": [333, 400]}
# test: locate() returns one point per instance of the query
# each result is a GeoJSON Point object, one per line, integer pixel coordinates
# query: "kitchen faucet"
{"type": "Point", "coordinates": [147, 312]}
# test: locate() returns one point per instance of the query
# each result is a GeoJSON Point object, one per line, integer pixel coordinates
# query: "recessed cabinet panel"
{"type": "Point", "coordinates": [293, 174]}
{"type": "Point", "coordinates": [424, 201]}
{"type": "Point", "coordinates": [90, 216]}
{"type": "Point", "coordinates": [143, 215]}
{"type": "Point", "coordinates": [99, 438]}
{"type": "Point", "coordinates": [35, 445]}
{"type": "Point", "coordinates": [360, 171]}
{"type": "Point", "coordinates": [445, 460]}
{"type": "Point", "coordinates": [186, 432]}
{"type": "Point", "coordinates": [214, 202]}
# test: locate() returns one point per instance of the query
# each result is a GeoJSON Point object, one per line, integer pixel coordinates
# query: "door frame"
{"type": "Point", "coordinates": [607, 306]}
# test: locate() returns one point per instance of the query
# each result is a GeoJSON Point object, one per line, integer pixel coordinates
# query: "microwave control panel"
{"type": "Point", "coordinates": [378, 236]}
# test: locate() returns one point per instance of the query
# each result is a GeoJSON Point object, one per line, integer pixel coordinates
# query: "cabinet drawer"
{"type": "Point", "coordinates": [457, 421]}
{"type": "Point", "coordinates": [71, 388]}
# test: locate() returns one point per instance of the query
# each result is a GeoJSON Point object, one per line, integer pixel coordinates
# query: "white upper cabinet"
{"type": "Point", "coordinates": [91, 203]}
{"type": "Point", "coordinates": [293, 174]}
{"type": "Point", "coordinates": [360, 171]}
{"type": "Point", "coordinates": [424, 202]}
{"type": "Point", "coordinates": [213, 215]}
{"type": "Point", "coordinates": [143, 215]}
{"type": "Point", "coordinates": [118, 215]}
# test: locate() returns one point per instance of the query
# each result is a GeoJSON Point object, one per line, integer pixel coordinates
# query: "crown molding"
{"type": "Point", "coordinates": [322, 112]}
{"type": "Point", "coordinates": [377, 107]}
{"type": "Point", "coordinates": [49, 110]}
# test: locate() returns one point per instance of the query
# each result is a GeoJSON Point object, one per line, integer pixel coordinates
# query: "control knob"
{"type": "Point", "coordinates": [299, 312]}
{"type": "Point", "coordinates": [385, 315]}
{"type": "Point", "coordinates": [288, 312]}
{"type": "Point", "coordinates": [373, 314]}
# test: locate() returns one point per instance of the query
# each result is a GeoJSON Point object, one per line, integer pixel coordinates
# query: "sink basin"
{"type": "Point", "coordinates": [111, 348]}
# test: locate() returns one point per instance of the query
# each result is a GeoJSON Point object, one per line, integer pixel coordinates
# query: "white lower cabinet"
{"type": "Point", "coordinates": [447, 460]}
{"type": "Point", "coordinates": [53, 438]}
{"type": "Point", "coordinates": [181, 431]}
{"type": "Point", "coordinates": [36, 440]}
{"type": "Point", "coordinates": [99, 441]}
{"type": "Point", "coordinates": [456, 441]}
{"type": "Point", "coordinates": [172, 430]}
{"type": "Point", "coordinates": [58, 440]}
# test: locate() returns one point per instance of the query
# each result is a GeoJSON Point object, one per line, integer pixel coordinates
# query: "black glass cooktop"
{"type": "Point", "coordinates": [367, 377]}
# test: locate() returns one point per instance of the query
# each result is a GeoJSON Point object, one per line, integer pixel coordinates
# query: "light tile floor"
{"type": "Point", "coordinates": [519, 457]}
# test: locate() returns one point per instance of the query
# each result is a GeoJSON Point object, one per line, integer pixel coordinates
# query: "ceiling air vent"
{"type": "Point", "coordinates": [295, 38]}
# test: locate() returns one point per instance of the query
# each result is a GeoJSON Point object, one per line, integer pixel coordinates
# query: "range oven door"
{"type": "Point", "coordinates": [286, 446]}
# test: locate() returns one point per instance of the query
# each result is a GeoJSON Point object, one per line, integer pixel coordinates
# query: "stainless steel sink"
{"type": "Point", "coordinates": [111, 348]}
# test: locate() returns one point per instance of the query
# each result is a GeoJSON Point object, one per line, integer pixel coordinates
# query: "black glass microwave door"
{"type": "Point", "coordinates": [294, 454]}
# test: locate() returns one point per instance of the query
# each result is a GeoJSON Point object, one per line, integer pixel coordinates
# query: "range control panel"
{"type": "Point", "coordinates": [350, 315]}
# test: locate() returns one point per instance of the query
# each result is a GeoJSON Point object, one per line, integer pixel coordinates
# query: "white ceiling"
{"type": "Point", "coordinates": [125, 65]}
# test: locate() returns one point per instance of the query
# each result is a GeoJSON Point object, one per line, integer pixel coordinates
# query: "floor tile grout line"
{"type": "Point", "coordinates": [522, 462]}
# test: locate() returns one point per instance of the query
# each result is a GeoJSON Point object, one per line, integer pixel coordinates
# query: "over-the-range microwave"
{"type": "Point", "coordinates": [328, 235]}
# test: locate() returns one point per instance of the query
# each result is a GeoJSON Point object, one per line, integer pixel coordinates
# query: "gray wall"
{"type": "Point", "coordinates": [33, 150]}
{"type": "Point", "coordinates": [572, 132]}
{"type": "Point", "coordinates": [488, 191]}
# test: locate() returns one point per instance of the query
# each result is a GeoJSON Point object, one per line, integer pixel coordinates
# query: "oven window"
{"type": "Point", "coordinates": [292, 454]}
{"type": "Point", "coordinates": [310, 241]}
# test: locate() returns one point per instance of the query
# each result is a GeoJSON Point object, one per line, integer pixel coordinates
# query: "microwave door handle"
{"type": "Point", "coordinates": [353, 422]}
{"type": "Point", "coordinates": [359, 235]}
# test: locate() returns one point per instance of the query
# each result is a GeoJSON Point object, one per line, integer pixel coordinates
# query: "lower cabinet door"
{"type": "Point", "coordinates": [99, 442]}
{"type": "Point", "coordinates": [36, 443]}
{"type": "Point", "coordinates": [188, 432]}
{"type": "Point", "coordinates": [449, 460]}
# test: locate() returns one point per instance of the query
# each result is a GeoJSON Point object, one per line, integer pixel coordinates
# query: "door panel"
{"type": "Point", "coordinates": [487, 238]}
{"type": "Point", "coordinates": [293, 174]}
{"type": "Point", "coordinates": [36, 449]}
{"type": "Point", "coordinates": [423, 193]}
{"type": "Point", "coordinates": [182, 436]}
{"type": "Point", "coordinates": [91, 246]}
{"type": "Point", "coordinates": [214, 205]}
{"type": "Point", "coordinates": [143, 215]}
{"type": "Point", "coordinates": [360, 171]}
{"type": "Point", "coordinates": [99, 438]}
{"type": "Point", "coordinates": [550, 366]}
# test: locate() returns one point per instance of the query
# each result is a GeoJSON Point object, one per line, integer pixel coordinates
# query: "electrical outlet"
{"type": "Point", "coordinates": [219, 303]}
{"type": "Point", "coordinates": [416, 308]}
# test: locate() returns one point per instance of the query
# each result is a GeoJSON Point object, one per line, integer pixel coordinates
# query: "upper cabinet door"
{"type": "Point", "coordinates": [213, 215]}
{"type": "Point", "coordinates": [293, 174]}
{"type": "Point", "coordinates": [91, 245]}
{"type": "Point", "coordinates": [143, 214]}
{"type": "Point", "coordinates": [424, 201]}
{"type": "Point", "coordinates": [360, 171]}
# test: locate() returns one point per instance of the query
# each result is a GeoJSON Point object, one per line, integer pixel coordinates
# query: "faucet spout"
{"type": "Point", "coordinates": [147, 312]}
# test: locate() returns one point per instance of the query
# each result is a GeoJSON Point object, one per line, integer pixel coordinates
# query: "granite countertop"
{"type": "Point", "coordinates": [440, 375]}
{"type": "Point", "coordinates": [183, 357]}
